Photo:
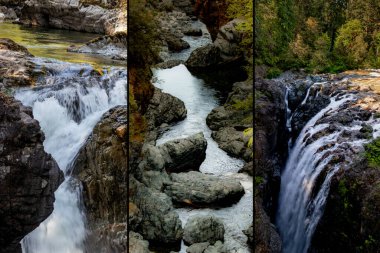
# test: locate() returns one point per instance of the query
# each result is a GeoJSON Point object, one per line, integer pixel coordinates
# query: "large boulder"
{"type": "Point", "coordinates": [198, 189]}
{"type": "Point", "coordinates": [204, 57]}
{"type": "Point", "coordinates": [137, 244]}
{"type": "Point", "coordinates": [200, 229]}
{"type": "Point", "coordinates": [101, 166]}
{"type": "Point", "coordinates": [159, 223]}
{"type": "Point", "coordinates": [28, 175]}
{"type": "Point", "coordinates": [176, 156]}
{"type": "Point", "coordinates": [164, 108]}
{"type": "Point", "coordinates": [16, 66]}
{"type": "Point", "coordinates": [228, 41]}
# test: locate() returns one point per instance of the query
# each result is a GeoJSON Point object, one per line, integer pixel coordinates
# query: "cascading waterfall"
{"type": "Point", "coordinates": [68, 102]}
{"type": "Point", "coordinates": [319, 152]}
{"type": "Point", "coordinates": [298, 214]}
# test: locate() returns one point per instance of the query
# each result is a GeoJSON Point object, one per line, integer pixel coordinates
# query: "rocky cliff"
{"type": "Point", "coordinates": [28, 175]}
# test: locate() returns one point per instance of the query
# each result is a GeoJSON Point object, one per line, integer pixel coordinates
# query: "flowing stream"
{"type": "Point", "coordinates": [68, 102]}
{"type": "Point", "coordinates": [200, 99]}
{"type": "Point", "coordinates": [320, 151]}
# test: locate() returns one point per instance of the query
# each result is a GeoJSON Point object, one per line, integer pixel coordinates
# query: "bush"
{"type": "Point", "coordinates": [372, 153]}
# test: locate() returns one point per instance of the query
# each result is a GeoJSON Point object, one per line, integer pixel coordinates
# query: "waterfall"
{"type": "Point", "coordinates": [68, 102]}
{"type": "Point", "coordinates": [313, 157]}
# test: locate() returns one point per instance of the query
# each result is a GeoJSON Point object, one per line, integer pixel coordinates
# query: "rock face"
{"type": "Point", "coordinates": [212, 13]}
{"type": "Point", "coordinates": [7, 14]}
{"type": "Point", "coordinates": [352, 212]}
{"type": "Point", "coordinates": [28, 175]}
{"type": "Point", "coordinates": [86, 16]}
{"type": "Point", "coordinates": [176, 156]}
{"type": "Point", "coordinates": [230, 120]}
{"type": "Point", "coordinates": [198, 189]}
{"type": "Point", "coordinates": [113, 46]}
{"type": "Point", "coordinates": [16, 67]}
{"type": "Point", "coordinates": [200, 229]}
{"type": "Point", "coordinates": [137, 244]}
{"type": "Point", "coordinates": [101, 166]}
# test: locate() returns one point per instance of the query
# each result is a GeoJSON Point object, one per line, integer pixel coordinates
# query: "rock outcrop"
{"type": "Point", "coordinates": [230, 120]}
{"type": "Point", "coordinates": [198, 189]}
{"type": "Point", "coordinates": [101, 166]}
{"type": "Point", "coordinates": [77, 15]}
{"type": "Point", "coordinates": [16, 66]}
{"type": "Point", "coordinates": [28, 175]}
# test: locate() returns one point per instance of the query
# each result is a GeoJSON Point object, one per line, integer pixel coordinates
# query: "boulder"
{"type": "Point", "coordinates": [198, 189]}
{"type": "Point", "coordinates": [176, 156]}
{"type": "Point", "coordinates": [101, 166]}
{"type": "Point", "coordinates": [160, 223]}
{"type": "Point", "coordinates": [228, 41]}
{"type": "Point", "coordinates": [204, 57]}
{"type": "Point", "coordinates": [137, 244]}
{"type": "Point", "coordinates": [164, 108]}
{"type": "Point", "coordinates": [176, 44]}
{"type": "Point", "coordinates": [200, 229]}
{"type": "Point", "coordinates": [28, 175]}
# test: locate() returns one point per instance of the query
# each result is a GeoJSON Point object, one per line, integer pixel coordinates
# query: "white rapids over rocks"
{"type": "Point", "coordinates": [68, 103]}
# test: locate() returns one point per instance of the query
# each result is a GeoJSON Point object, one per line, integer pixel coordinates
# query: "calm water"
{"type": "Point", "coordinates": [53, 43]}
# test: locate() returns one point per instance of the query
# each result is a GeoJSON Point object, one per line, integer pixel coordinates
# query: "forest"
{"type": "Point", "coordinates": [318, 36]}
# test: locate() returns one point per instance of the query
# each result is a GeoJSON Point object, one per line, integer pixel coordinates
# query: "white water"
{"type": "Point", "coordinates": [301, 204]}
{"type": "Point", "coordinates": [68, 103]}
{"type": "Point", "coordinates": [199, 101]}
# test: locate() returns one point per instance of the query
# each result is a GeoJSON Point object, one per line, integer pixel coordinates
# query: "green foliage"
{"type": "Point", "coordinates": [372, 153]}
{"type": "Point", "coordinates": [273, 72]}
{"type": "Point", "coordinates": [317, 35]}
{"type": "Point", "coordinates": [243, 105]}
{"type": "Point", "coordinates": [350, 44]}
{"type": "Point", "coordinates": [259, 180]}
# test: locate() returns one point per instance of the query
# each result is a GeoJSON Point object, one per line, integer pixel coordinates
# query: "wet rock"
{"type": "Point", "coordinates": [198, 247]}
{"type": "Point", "coordinates": [137, 244]}
{"type": "Point", "coordinates": [176, 156]}
{"type": "Point", "coordinates": [101, 166]}
{"type": "Point", "coordinates": [7, 14]}
{"type": "Point", "coordinates": [169, 64]}
{"type": "Point", "coordinates": [247, 168]}
{"type": "Point", "coordinates": [234, 142]}
{"type": "Point", "coordinates": [28, 175]}
{"type": "Point", "coordinates": [113, 46]}
{"type": "Point", "coordinates": [249, 233]}
{"type": "Point", "coordinates": [176, 44]}
{"type": "Point", "coordinates": [160, 223]}
{"type": "Point", "coordinates": [307, 111]}
{"type": "Point", "coordinates": [16, 67]}
{"type": "Point", "coordinates": [198, 189]}
{"type": "Point", "coordinates": [164, 108]}
{"type": "Point", "coordinates": [193, 31]}
{"type": "Point", "coordinates": [203, 229]}
{"type": "Point", "coordinates": [204, 57]}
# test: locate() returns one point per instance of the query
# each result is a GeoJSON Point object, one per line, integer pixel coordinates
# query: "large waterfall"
{"type": "Point", "coordinates": [68, 102]}
{"type": "Point", "coordinates": [325, 146]}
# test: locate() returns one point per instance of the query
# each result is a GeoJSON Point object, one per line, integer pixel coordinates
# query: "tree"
{"type": "Point", "coordinates": [350, 43]}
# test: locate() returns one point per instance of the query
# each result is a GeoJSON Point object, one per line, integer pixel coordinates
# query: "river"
{"type": "Point", "coordinates": [200, 97]}
{"type": "Point", "coordinates": [68, 102]}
